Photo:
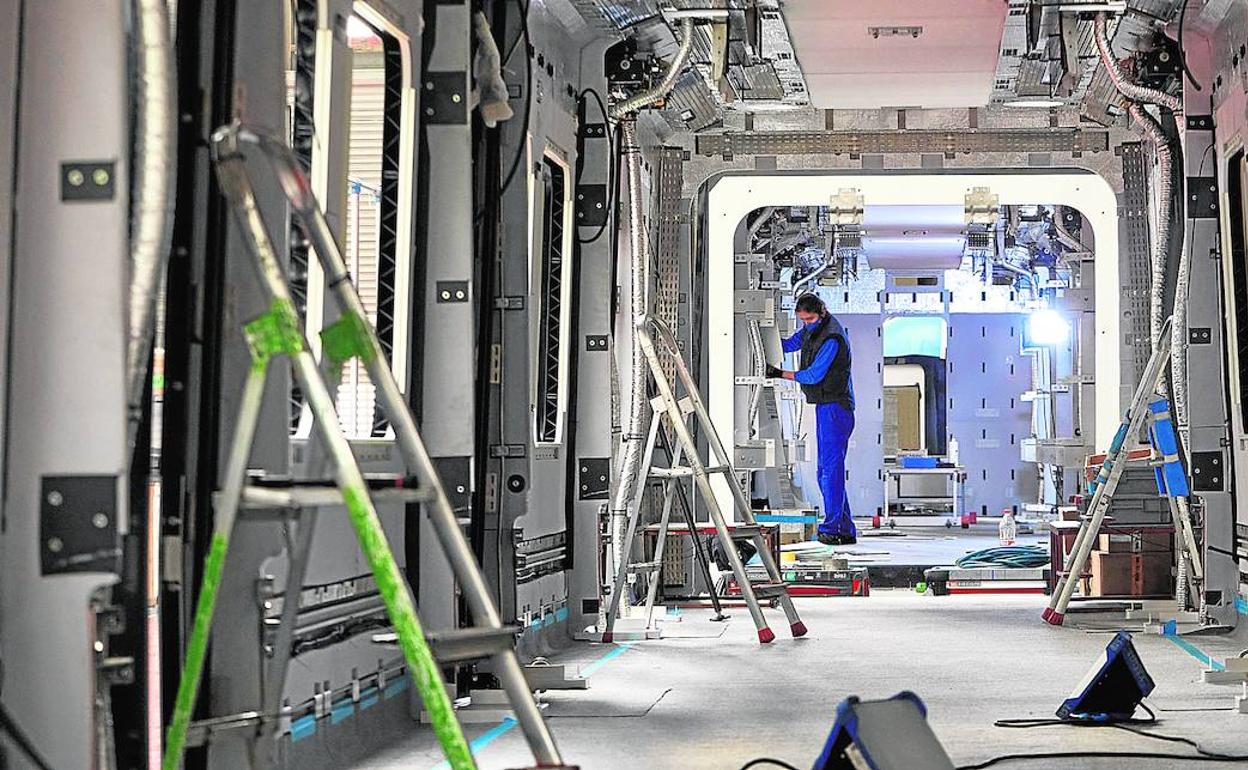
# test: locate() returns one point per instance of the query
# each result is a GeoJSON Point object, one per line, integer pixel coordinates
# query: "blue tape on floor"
{"type": "Point", "coordinates": [779, 518]}
{"type": "Point", "coordinates": [341, 710]}
{"type": "Point", "coordinates": [395, 687]}
{"type": "Point", "coordinates": [1241, 605]}
{"type": "Point", "coordinates": [368, 698]}
{"type": "Point", "coordinates": [303, 727]}
{"type": "Point", "coordinates": [605, 659]}
{"type": "Point", "coordinates": [1196, 653]}
{"type": "Point", "coordinates": [502, 728]}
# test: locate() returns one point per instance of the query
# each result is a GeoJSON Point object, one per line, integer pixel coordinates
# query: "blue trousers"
{"type": "Point", "coordinates": [833, 426]}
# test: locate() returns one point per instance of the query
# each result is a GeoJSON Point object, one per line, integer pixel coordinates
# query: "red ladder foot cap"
{"type": "Point", "coordinates": [799, 629]}
{"type": "Point", "coordinates": [766, 636]}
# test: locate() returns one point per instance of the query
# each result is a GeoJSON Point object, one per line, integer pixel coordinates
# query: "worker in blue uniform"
{"type": "Point", "coordinates": [824, 374]}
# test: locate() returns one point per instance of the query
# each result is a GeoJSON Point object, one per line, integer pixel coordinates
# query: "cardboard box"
{"type": "Point", "coordinates": [1111, 574]}
{"type": "Point", "coordinates": [1068, 514]}
{"type": "Point", "coordinates": [1131, 574]}
{"type": "Point", "coordinates": [1135, 542]}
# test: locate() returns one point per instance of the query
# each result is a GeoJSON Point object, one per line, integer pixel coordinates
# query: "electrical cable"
{"type": "Point", "coordinates": [1202, 754]}
{"type": "Point", "coordinates": [1007, 556]}
{"type": "Point", "coordinates": [10, 728]}
{"type": "Point", "coordinates": [612, 183]}
{"type": "Point", "coordinates": [1183, 53]}
{"type": "Point", "coordinates": [768, 761]}
{"type": "Point", "coordinates": [521, 145]}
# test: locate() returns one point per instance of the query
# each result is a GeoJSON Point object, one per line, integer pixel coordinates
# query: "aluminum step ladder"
{"type": "Point", "coordinates": [1147, 410]}
{"type": "Point", "coordinates": [671, 413]}
{"type": "Point", "coordinates": [279, 332]}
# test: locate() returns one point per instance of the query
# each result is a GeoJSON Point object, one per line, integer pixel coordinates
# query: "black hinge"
{"type": "Point", "coordinates": [594, 478]}
{"type": "Point", "coordinates": [444, 99]}
{"type": "Point", "coordinates": [593, 131]}
{"type": "Point", "coordinates": [1200, 335]}
{"type": "Point", "coordinates": [1208, 471]}
{"type": "Point", "coordinates": [1202, 197]}
{"type": "Point", "coordinates": [591, 205]}
{"type": "Point", "coordinates": [1199, 122]}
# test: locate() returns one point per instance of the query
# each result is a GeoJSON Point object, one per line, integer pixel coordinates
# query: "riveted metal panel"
{"type": "Point", "coordinates": [1135, 249]}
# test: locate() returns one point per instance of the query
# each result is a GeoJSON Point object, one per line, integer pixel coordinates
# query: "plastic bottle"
{"type": "Point", "coordinates": [1008, 529]}
{"type": "Point", "coordinates": [953, 451]}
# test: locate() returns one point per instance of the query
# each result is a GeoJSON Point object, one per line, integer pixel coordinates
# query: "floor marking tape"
{"type": "Point", "coordinates": [504, 727]}
{"type": "Point", "coordinates": [1196, 652]}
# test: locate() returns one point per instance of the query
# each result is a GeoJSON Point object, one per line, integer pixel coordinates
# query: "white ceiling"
{"type": "Point", "coordinates": [951, 64]}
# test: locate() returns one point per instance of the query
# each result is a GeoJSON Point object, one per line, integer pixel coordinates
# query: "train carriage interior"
{"type": "Point", "coordinates": [623, 384]}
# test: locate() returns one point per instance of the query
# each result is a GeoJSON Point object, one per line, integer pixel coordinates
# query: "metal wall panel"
{"type": "Point", "coordinates": [66, 371]}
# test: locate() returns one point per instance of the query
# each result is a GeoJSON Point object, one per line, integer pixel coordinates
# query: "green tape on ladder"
{"type": "Point", "coordinates": [275, 332]}
{"type": "Point", "coordinates": [420, 661]}
{"type": "Point", "coordinates": [196, 649]}
{"type": "Point", "coordinates": [348, 337]}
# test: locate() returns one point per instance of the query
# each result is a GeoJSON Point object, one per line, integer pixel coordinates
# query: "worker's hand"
{"type": "Point", "coordinates": [774, 373]}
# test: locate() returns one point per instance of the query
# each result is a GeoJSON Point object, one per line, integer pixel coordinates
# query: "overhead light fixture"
{"type": "Point", "coordinates": [1035, 103]}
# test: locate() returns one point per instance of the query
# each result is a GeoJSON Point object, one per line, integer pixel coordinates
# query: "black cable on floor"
{"type": "Point", "coordinates": [1092, 755]}
{"type": "Point", "coordinates": [1202, 754]}
{"type": "Point", "coordinates": [767, 761]}
{"type": "Point", "coordinates": [21, 740]}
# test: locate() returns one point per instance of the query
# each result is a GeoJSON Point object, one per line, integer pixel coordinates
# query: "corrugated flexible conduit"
{"type": "Point", "coordinates": [151, 226]}
{"type": "Point", "coordinates": [1151, 129]}
{"type": "Point", "coordinates": [639, 304]}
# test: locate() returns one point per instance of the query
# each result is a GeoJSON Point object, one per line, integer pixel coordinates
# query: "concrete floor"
{"type": "Point", "coordinates": [714, 699]}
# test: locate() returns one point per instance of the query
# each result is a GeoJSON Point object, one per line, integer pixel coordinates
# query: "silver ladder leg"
{"type": "Point", "coordinates": [634, 515]}
{"type": "Point", "coordinates": [1111, 471]}
{"type": "Point", "coordinates": [676, 418]}
{"type": "Point", "coordinates": [660, 544]}
{"type": "Point", "coordinates": [720, 454]}
{"type": "Point", "coordinates": [422, 667]}
{"type": "Point", "coordinates": [441, 515]}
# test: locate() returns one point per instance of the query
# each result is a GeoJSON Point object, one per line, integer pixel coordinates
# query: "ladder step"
{"type": "Point", "coordinates": [318, 496]}
{"type": "Point", "coordinates": [769, 590]}
{"type": "Point", "coordinates": [683, 471]}
{"type": "Point", "coordinates": [644, 565]}
{"type": "Point", "coordinates": [463, 644]}
{"type": "Point", "coordinates": [745, 531]}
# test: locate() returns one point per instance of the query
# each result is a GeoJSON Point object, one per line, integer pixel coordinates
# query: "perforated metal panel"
{"type": "Point", "coordinates": [670, 178]}
{"type": "Point", "coordinates": [892, 142]}
{"type": "Point", "coordinates": [1134, 270]}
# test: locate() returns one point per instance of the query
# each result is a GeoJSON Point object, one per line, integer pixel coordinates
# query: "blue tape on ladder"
{"type": "Point", "coordinates": [1170, 476]}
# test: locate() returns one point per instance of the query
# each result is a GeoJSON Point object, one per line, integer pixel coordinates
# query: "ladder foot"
{"type": "Point", "coordinates": [1052, 617]}
{"type": "Point", "coordinates": [799, 629]}
{"type": "Point", "coordinates": [607, 637]}
{"type": "Point", "coordinates": [766, 635]}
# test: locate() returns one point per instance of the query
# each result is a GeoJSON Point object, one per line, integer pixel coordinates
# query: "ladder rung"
{"type": "Point", "coordinates": [316, 496]}
{"type": "Point", "coordinates": [769, 590]}
{"type": "Point", "coordinates": [463, 644]}
{"type": "Point", "coordinates": [644, 565]}
{"type": "Point", "coordinates": [683, 471]}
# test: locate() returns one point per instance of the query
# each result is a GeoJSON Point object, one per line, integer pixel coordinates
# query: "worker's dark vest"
{"type": "Point", "coordinates": [836, 387]}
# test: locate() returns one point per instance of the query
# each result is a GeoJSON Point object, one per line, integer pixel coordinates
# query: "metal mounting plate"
{"type": "Point", "coordinates": [78, 525]}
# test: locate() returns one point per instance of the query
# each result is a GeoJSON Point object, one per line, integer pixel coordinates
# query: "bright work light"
{"type": "Point", "coordinates": [1047, 327]}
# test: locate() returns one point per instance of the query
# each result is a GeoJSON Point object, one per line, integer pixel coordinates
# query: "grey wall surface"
{"type": "Point", "coordinates": [66, 401]}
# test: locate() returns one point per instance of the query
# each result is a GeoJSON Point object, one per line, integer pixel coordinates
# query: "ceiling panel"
{"type": "Point", "coordinates": [950, 63]}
